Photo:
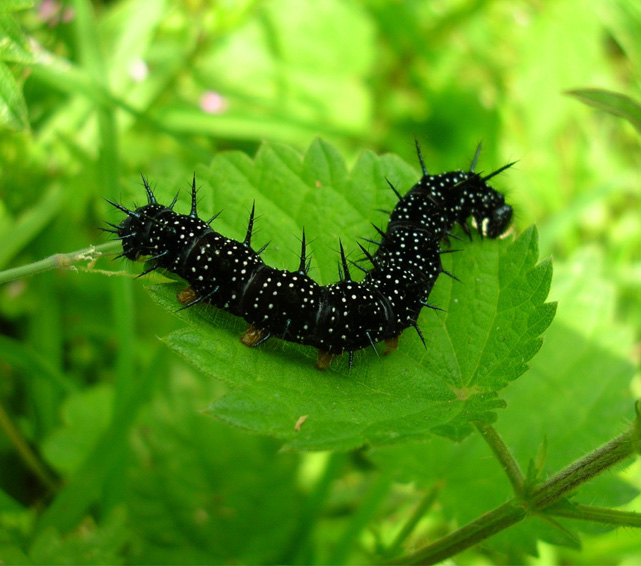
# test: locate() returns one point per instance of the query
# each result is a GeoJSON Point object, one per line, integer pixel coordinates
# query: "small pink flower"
{"type": "Point", "coordinates": [68, 14]}
{"type": "Point", "coordinates": [53, 12]}
{"type": "Point", "coordinates": [48, 9]}
{"type": "Point", "coordinates": [213, 103]}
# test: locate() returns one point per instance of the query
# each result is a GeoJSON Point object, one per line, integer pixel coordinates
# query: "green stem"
{"type": "Point", "coordinates": [599, 515]}
{"type": "Point", "coordinates": [359, 520]}
{"type": "Point", "coordinates": [482, 528]}
{"type": "Point", "coordinates": [542, 497]}
{"type": "Point", "coordinates": [58, 261]}
{"type": "Point", "coordinates": [422, 508]}
{"type": "Point", "coordinates": [85, 489]}
{"type": "Point", "coordinates": [583, 470]}
{"type": "Point", "coordinates": [300, 549]}
{"type": "Point", "coordinates": [24, 450]}
{"type": "Point", "coordinates": [504, 456]}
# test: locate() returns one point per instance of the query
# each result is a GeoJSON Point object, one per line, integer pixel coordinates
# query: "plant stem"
{"type": "Point", "coordinates": [568, 479]}
{"type": "Point", "coordinates": [359, 520]}
{"type": "Point", "coordinates": [599, 515]}
{"type": "Point", "coordinates": [422, 508]}
{"type": "Point", "coordinates": [299, 550]}
{"type": "Point", "coordinates": [484, 527]}
{"type": "Point", "coordinates": [542, 497]}
{"type": "Point", "coordinates": [26, 453]}
{"type": "Point", "coordinates": [56, 261]}
{"type": "Point", "coordinates": [504, 456]}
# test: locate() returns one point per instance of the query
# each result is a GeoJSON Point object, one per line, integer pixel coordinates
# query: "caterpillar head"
{"type": "Point", "coordinates": [491, 214]}
{"type": "Point", "coordinates": [496, 222]}
{"type": "Point", "coordinates": [462, 193]}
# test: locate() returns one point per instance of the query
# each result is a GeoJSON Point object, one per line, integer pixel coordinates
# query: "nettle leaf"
{"type": "Point", "coordinates": [577, 396]}
{"type": "Point", "coordinates": [89, 544]}
{"type": "Point", "coordinates": [14, 47]}
{"type": "Point", "coordinates": [85, 414]}
{"type": "Point", "coordinates": [205, 493]}
{"type": "Point", "coordinates": [15, 5]}
{"type": "Point", "coordinates": [614, 103]}
{"type": "Point", "coordinates": [13, 108]}
{"type": "Point", "coordinates": [491, 329]}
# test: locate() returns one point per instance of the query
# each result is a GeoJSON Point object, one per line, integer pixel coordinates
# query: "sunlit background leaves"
{"type": "Point", "coordinates": [105, 454]}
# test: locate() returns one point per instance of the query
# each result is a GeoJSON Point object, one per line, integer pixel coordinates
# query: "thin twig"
{"type": "Point", "coordinates": [59, 261]}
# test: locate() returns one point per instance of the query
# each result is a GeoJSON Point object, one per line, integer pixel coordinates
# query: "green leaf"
{"type": "Point", "coordinates": [8, 503]}
{"type": "Point", "coordinates": [86, 414]}
{"type": "Point", "coordinates": [281, 86]}
{"type": "Point", "coordinates": [15, 5]}
{"type": "Point", "coordinates": [14, 46]}
{"type": "Point", "coordinates": [582, 370]}
{"type": "Point", "coordinates": [12, 554]}
{"type": "Point", "coordinates": [583, 366]}
{"type": "Point", "coordinates": [537, 464]}
{"type": "Point", "coordinates": [13, 109]}
{"type": "Point", "coordinates": [553, 532]}
{"type": "Point", "coordinates": [205, 493]}
{"type": "Point", "coordinates": [84, 487]}
{"type": "Point", "coordinates": [23, 229]}
{"type": "Point", "coordinates": [21, 355]}
{"type": "Point", "coordinates": [16, 522]}
{"type": "Point", "coordinates": [90, 544]}
{"type": "Point", "coordinates": [484, 341]}
{"type": "Point", "coordinates": [611, 102]}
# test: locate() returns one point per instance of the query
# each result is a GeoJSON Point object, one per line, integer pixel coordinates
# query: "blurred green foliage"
{"type": "Point", "coordinates": [105, 456]}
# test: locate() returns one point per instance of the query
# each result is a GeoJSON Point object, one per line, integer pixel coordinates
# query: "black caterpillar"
{"type": "Point", "coordinates": [342, 317]}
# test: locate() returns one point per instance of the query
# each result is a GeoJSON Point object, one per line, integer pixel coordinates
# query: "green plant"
{"type": "Point", "coordinates": [110, 452]}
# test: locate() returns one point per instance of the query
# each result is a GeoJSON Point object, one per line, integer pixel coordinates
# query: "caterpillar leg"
{"type": "Point", "coordinates": [186, 296]}
{"type": "Point", "coordinates": [324, 359]}
{"type": "Point", "coordinates": [253, 336]}
{"type": "Point", "coordinates": [391, 345]}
